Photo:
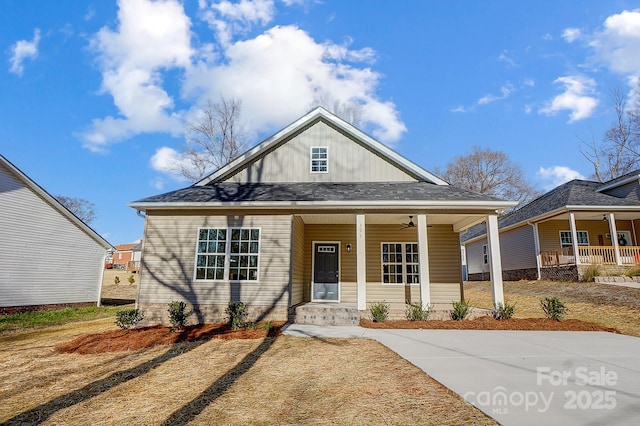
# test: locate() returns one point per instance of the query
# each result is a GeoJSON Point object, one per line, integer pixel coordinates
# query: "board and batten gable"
{"type": "Point", "coordinates": [45, 258]}
{"type": "Point", "coordinates": [348, 160]}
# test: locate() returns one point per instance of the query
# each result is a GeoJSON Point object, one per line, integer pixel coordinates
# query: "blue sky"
{"type": "Point", "coordinates": [94, 94]}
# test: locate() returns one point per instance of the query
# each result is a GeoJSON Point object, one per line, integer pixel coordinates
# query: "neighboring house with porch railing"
{"type": "Point", "coordinates": [540, 239]}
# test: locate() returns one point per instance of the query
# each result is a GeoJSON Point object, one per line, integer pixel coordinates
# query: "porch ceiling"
{"type": "Point", "coordinates": [459, 221]}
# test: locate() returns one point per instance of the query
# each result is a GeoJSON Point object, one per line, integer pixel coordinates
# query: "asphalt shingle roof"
{"type": "Point", "coordinates": [573, 193]}
{"type": "Point", "coordinates": [313, 191]}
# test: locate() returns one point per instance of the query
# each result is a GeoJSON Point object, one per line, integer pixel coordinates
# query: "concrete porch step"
{"type": "Point", "coordinates": [325, 314]}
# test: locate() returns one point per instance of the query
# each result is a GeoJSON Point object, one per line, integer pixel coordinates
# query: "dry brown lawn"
{"type": "Point", "coordinates": [611, 306]}
{"type": "Point", "coordinates": [123, 290]}
{"type": "Point", "coordinates": [282, 380]}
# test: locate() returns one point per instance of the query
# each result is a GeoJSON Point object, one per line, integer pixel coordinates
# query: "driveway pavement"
{"type": "Point", "coordinates": [522, 377]}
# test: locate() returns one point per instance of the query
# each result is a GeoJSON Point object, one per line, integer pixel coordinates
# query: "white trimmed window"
{"type": "Point", "coordinates": [319, 159]}
{"type": "Point", "coordinates": [567, 241]}
{"type": "Point", "coordinates": [228, 254]}
{"type": "Point", "coordinates": [400, 263]}
{"type": "Point", "coordinates": [485, 254]}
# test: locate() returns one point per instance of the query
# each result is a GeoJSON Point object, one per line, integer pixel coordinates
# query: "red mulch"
{"type": "Point", "coordinates": [145, 337]}
{"type": "Point", "coordinates": [488, 323]}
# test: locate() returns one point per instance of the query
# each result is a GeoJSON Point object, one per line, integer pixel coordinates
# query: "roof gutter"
{"type": "Point", "coordinates": [497, 206]}
{"type": "Point", "coordinates": [549, 215]}
{"type": "Point", "coordinates": [619, 183]}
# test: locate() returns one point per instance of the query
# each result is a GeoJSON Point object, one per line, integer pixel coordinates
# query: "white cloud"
{"type": "Point", "coordinates": [285, 66]}
{"type": "Point", "coordinates": [277, 75]}
{"type": "Point", "coordinates": [577, 98]}
{"type": "Point", "coordinates": [151, 37]}
{"type": "Point", "coordinates": [504, 58]}
{"type": "Point", "coordinates": [618, 44]}
{"type": "Point", "coordinates": [557, 175]}
{"type": "Point", "coordinates": [528, 108]}
{"type": "Point", "coordinates": [571, 34]}
{"type": "Point", "coordinates": [22, 50]}
{"type": "Point", "coordinates": [459, 108]}
{"type": "Point", "coordinates": [169, 161]}
{"type": "Point", "coordinates": [229, 19]}
{"type": "Point", "coordinates": [505, 92]}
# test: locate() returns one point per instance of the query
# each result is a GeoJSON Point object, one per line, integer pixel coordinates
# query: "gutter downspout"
{"type": "Point", "coordinates": [104, 259]}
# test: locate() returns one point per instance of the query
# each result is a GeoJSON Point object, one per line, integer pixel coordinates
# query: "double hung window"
{"type": "Point", "coordinates": [228, 254]}
{"type": "Point", "coordinates": [319, 159]}
{"type": "Point", "coordinates": [400, 263]}
{"type": "Point", "coordinates": [567, 241]}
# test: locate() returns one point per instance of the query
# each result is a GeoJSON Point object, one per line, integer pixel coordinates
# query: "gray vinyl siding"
{"type": "Point", "coordinates": [348, 161]}
{"type": "Point", "coordinates": [475, 262]}
{"type": "Point", "coordinates": [297, 266]}
{"type": "Point", "coordinates": [630, 191]}
{"type": "Point", "coordinates": [517, 249]}
{"type": "Point", "coordinates": [44, 257]}
{"type": "Point", "coordinates": [170, 252]}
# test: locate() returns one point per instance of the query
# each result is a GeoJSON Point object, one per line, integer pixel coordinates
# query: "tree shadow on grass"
{"type": "Point", "coordinates": [43, 412]}
{"type": "Point", "coordinates": [196, 406]}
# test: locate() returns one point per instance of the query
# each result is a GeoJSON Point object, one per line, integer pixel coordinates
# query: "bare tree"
{"type": "Point", "coordinates": [350, 111]}
{"type": "Point", "coordinates": [489, 172]}
{"type": "Point", "coordinates": [618, 153]}
{"type": "Point", "coordinates": [85, 210]}
{"type": "Point", "coordinates": [213, 140]}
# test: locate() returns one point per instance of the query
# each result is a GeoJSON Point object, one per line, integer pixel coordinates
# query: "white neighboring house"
{"type": "Point", "coordinates": [47, 255]}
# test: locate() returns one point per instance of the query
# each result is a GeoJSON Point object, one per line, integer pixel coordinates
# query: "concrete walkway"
{"type": "Point", "coordinates": [522, 377]}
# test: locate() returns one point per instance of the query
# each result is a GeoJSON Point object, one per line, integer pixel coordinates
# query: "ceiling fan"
{"type": "Point", "coordinates": [410, 224]}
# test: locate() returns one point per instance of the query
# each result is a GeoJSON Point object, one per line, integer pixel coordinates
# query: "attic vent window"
{"type": "Point", "coordinates": [319, 159]}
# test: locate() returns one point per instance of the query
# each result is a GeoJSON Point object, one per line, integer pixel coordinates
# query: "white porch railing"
{"type": "Point", "coordinates": [591, 255]}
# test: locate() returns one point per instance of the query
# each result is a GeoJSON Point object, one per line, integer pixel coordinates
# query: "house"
{"type": "Point", "coordinates": [320, 215]}
{"type": "Point", "coordinates": [540, 240]}
{"type": "Point", "coordinates": [127, 256]}
{"type": "Point", "coordinates": [49, 257]}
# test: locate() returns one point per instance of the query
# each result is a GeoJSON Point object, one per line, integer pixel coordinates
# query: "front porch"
{"type": "Point", "coordinates": [592, 255]}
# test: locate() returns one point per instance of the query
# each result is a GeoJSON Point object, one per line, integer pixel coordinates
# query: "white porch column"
{"type": "Point", "coordinates": [423, 254]}
{"type": "Point", "coordinates": [495, 262]}
{"type": "Point", "coordinates": [614, 238]}
{"type": "Point", "coordinates": [536, 242]}
{"type": "Point", "coordinates": [361, 263]}
{"type": "Point", "coordinates": [574, 238]}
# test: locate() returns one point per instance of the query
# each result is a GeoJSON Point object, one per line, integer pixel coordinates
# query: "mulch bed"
{"type": "Point", "coordinates": [146, 337]}
{"type": "Point", "coordinates": [488, 323]}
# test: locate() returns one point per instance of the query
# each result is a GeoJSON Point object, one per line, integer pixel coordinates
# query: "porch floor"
{"type": "Point", "coordinates": [315, 313]}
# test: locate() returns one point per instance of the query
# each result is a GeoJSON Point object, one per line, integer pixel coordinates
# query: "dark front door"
{"type": "Point", "coordinates": [325, 272]}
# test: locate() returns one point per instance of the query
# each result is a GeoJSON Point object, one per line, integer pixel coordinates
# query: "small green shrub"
{"type": "Point", "coordinates": [266, 326]}
{"type": "Point", "coordinates": [237, 313]}
{"type": "Point", "coordinates": [590, 272]}
{"type": "Point", "coordinates": [503, 312]}
{"type": "Point", "coordinates": [131, 279]}
{"type": "Point", "coordinates": [460, 310]}
{"type": "Point", "coordinates": [379, 311]}
{"type": "Point", "coordinates": [553, 308]}
{"type": "Point", "coordinates": [116, 280]}
{"type": "Point", "coordinates": [177, 314]}
{"type": "Point", "coordinates": [129, 318]}
{"type": "Point", "coordinates": [417, 312]}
